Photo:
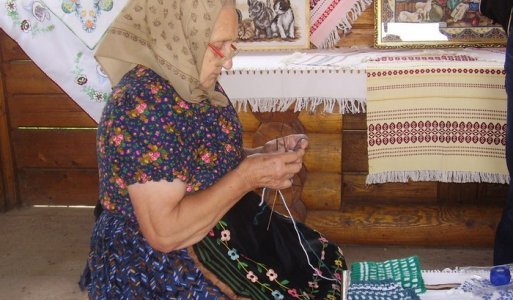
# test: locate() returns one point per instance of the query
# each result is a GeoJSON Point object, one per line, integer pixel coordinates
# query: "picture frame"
{"type": "Point", "coordinates": [273, 24]}
{"type": "Point", "coordinates": [434, 24]}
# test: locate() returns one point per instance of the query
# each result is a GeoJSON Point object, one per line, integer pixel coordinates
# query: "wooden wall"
{"type": "Point", "coordinates": [8, 195]}
{"type": "Point", "coordinates": [48, 141]}
{"type": "Point", "coordinates": [47, 146]}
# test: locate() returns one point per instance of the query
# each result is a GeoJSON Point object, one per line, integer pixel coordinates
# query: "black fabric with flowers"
{"type": "Point", "coordinates": [261, 254]}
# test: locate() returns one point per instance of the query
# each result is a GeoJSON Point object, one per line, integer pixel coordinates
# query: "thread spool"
{"type": "Point", "coordinates": [500, 275]}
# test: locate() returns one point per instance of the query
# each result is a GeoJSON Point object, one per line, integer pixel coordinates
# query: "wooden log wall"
{"type": "Point", "coordinates": [48, 157]}
{"type": "Point", "coordinates": [4, 138]}
{"type": "Point", "coordinates": [48, 141]}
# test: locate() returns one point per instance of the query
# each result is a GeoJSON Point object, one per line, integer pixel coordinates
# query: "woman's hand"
{"type": "Point", "coordinates": [287, 143]}
{"type": "Point", "coordinates": [271, 170]}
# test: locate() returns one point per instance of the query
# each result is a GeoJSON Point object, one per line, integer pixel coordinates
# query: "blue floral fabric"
{"type": "Point", "coordinates": [147, 132]}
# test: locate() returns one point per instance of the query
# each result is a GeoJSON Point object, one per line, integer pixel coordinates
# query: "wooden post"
{"type": "Point", "coordinates": [276, 125]}
{"type": "Point", "coordinates": [8, 191]}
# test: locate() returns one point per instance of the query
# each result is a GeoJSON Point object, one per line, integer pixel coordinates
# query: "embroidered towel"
{"type": "Point", "coordinates": [44, 37]}
{"type": "Point", "coordinates": [380, 290]}
{"type": "Point", "coordinates": [88, 20]}
{"type": "Point", "coordinates": [303, 81]}
{"type": "Point", "coordinates": [436, 120]}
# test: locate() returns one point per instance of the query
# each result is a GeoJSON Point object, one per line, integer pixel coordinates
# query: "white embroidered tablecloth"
{"type": "Point", "coordinates": [63, 46]}
{"type": "Point", "coordinates": [277, 81]}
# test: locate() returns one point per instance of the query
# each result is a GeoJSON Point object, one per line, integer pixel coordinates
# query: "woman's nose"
{"type": "Point", "coordinates": [228, 64]}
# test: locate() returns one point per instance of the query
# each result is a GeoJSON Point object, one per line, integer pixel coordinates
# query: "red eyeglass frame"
{"type": "Point", "coordinates": [218, 51]}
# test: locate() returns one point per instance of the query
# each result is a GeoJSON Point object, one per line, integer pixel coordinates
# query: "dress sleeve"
{"type": "Point", "coordinates": [143, 141]}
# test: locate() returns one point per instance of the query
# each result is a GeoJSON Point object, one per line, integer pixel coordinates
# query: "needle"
{"type": "Point", "coordinates": [272, 210]}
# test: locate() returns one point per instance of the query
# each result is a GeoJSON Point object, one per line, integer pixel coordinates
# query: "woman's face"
{"type": "Point", "coordinates": [223, 35]}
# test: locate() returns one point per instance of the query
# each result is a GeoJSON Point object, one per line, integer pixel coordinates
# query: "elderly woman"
{"type": "Point", "coordinates": [179, 219]}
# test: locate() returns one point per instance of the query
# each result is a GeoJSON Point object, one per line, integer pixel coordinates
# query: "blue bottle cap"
{"type": "Point", "coordinates": [500, 275]}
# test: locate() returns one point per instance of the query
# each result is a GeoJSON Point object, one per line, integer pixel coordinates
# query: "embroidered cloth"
{"type": "Point", "coordinates": [380, 290]}
{"type": "Point", "coordinates": [469, 283]}
{"type": "Point", "coordinates": [277, 81]}
{"type": "Point", "coordinates": [63, 33]}
{"type": "Point", "coordinates": [440, 118]}
{"type": "Point", "coordinates": [87, 20]}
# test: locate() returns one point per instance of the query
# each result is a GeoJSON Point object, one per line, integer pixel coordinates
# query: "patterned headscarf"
{"type": "Point", "coordinates": [168, 36]}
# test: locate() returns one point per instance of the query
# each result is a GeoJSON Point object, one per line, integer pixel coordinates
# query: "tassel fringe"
{"type": "Point", "coordinates": [353, 106]}
{"type": "Point", "coordinates": [433, 175]}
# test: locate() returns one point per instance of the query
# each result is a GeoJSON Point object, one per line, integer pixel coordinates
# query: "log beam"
{"type": "Point", "coordinates": [419, 224]}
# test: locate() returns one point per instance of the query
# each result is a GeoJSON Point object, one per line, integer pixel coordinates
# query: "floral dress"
{"type": "Point", "coordinates": [148, 133]}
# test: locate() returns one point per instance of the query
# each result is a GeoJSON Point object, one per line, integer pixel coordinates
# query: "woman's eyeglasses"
{"type": "Point", "coordinates": [225, 53]}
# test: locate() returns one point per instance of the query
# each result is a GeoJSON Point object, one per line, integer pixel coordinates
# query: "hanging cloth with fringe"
{"type": "Point", "coordinates": [436, 119]}
{"type": "Point", "coordinates": [329, 16]}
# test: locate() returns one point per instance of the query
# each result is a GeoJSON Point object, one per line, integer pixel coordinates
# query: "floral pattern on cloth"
{"type": "Point", "coordinates": [260, 254]}
{"type": "Point", "coordinates": [44, 35]}
{"type": "Point", "coordinates": [269, 282]}
{"type": "Point", "coordinates": [482, 288]}
{"type": "Point", "coordinates": [149, 133]}
{"type": "Point", "coordinates": [123, 265]}
{"type": "Point", "coordinates": [87, 20]}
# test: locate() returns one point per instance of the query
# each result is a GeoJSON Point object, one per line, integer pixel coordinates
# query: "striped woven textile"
{"type": "Point", "coordinates": [436, 120]}
{"type": "Point", "coordinates": [406, 271]}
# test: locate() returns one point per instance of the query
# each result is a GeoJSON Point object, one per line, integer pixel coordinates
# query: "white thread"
{"type": "Point", "coordinates": [317, 272]}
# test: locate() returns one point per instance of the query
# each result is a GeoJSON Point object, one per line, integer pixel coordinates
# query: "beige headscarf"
{"type": "Point", "coordinates": [168, 36]}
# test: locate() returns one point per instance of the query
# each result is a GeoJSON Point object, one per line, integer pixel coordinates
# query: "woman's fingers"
{"type": "Point", "coordinates": [291, 142]}
{"type": "Point", "coordinates": [272, 170]}
{"type": "Point", "coordinates": [283, 167]}
{"type": "Point", "coordinates": [296, 141]}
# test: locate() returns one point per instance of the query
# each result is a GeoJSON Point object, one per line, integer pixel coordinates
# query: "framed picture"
{"type": "Point", "coordinates": [434, 24]}
{"type": "Point", "coordinates": [273, 24]}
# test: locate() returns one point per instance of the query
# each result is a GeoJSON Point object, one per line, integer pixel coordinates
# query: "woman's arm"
{"type": "Point", "coordinates": [170, 219]}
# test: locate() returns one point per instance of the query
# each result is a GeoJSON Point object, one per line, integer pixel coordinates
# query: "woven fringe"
{"type": "Point", "coordinates": [353, 106]}
{"type": "Point", "coordinates": [442, 176]}
{"type": "Point", "coordinates": [345, 23]}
